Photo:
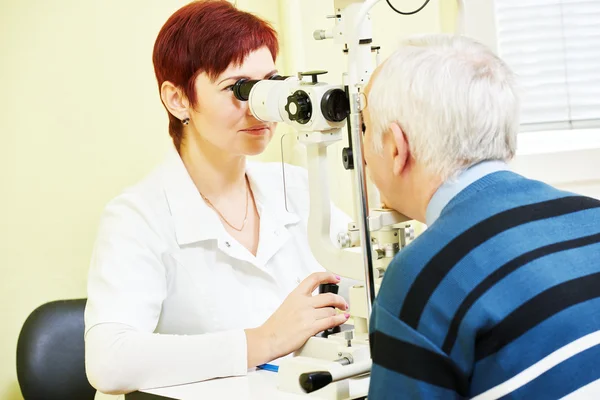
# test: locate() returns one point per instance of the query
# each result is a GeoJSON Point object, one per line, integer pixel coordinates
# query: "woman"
{"type": "Point", "coordinates": [200, 270]}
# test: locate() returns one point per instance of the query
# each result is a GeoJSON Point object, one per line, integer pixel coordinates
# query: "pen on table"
{"type": "Point", "coordinates": [268, 367]}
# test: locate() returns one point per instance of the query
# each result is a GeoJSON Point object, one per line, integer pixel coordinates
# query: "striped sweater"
{"type": "Point", "coordinates": [499, 298]}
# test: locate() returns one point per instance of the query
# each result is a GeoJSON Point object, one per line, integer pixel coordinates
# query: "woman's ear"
{"type": "Point", "coordinates": [174, 100]}
{"type": "Point", "coordinates": [400, 147]}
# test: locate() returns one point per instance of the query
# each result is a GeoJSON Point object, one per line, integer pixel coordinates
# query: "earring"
{"type": "Point", "coordinates": [185, 121]}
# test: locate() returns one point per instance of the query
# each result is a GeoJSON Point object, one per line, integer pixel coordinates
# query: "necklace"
{"type": "Point", "coordinates": [221, 215]}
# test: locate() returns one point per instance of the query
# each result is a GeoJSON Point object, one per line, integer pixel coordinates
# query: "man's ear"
{"type": "Point", "coordinates": [401, 151]}
{"type": "Point", "coordinates": [175, 100]}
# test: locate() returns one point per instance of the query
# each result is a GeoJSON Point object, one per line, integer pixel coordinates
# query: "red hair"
{"type": "Point", "coordinates": [206, 36]}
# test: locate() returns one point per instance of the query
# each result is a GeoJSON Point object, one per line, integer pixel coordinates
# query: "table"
{"type": "Point", "coordinates": [256, 385]}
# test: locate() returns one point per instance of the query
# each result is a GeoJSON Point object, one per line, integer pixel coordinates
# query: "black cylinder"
{"type": "Point", "coordinates": [328, 288]}
{"type": "Point", "coordinates": [311, 381]}
{"type": "Point", "coordinates": [347, 158]}
{"type": "Point", "coordinates": [335, 105]}
{"type": "Point", "coordinates": [241, 89]}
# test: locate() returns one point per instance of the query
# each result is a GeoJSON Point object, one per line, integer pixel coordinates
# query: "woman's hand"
{"type": "Point", "coordinates": [301, 316]}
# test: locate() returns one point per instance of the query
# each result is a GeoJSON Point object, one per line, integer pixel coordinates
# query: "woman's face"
{"type": "Point", "coordinates": [224, 121]}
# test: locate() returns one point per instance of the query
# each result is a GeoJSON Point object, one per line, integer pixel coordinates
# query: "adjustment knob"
{"type": "Point", "coordinates": [349, 335]}
{"type": "Point", "coordinates": [328, 288]}
{"type": "Point", "coordinates": [347, 158]}
{"type": "Point", "coordinates": [299, 107]}
{"type": "Point", "coordinates": [344, 240]}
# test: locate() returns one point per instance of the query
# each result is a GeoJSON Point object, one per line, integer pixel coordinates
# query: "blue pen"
{"type": "Point", "coordinates": [269, 367]}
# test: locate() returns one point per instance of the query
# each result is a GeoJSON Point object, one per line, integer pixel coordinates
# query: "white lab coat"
{"type": "Point", "coordinates": [170, 291]}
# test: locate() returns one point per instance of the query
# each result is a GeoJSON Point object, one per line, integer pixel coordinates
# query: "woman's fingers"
{"type": "Point", "coordinates": [326, 312]}
{"type": "Point", "coordinates": [329, 300]}
{"type": "Point", "coordinates": [312, 282]}
{"type": "Point", "coordinates": [330, 322]}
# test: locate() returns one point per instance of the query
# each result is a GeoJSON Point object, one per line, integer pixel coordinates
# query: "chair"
{"type": "Point", "coordinates": [50, 353]}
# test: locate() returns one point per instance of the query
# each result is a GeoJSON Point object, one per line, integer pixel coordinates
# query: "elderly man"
{"type": "Point", "coordinates": [500, 296]}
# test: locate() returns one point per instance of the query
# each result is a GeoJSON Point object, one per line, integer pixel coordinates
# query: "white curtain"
{"type": "Point", "coordinates": [554, 47]}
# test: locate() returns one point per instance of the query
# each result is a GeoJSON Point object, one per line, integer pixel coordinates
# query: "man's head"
{"type": "Point", "coordinates": [438, 105]}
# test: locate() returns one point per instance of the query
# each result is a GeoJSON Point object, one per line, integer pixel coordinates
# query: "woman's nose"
{"type": "Point", "coordinates": [248, 109]}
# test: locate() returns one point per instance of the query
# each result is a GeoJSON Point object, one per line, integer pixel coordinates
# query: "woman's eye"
{"type": "Point", "coordinates": [228, 88]}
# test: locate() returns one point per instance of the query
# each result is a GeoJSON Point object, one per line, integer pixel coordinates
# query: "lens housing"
{"type": "Point", "coordinates": [335, 105]}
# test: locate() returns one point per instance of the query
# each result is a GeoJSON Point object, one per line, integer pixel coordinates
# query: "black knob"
{"type": "Point", "coordinates": [328, 288]}
{"type": "Point", "coordinates": [311, 381]}
{"type": "Point", "coordinates": [299, 107]}
{"type": "Point", "coordinates": [347, 158]}
{"type": "Point", "coordinates": [335, 105]}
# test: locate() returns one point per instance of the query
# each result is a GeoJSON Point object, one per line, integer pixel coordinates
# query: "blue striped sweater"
{"type": "Point", "coordinates": [507, 275]}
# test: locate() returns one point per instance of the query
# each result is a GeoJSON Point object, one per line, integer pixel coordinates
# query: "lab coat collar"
{"type": "Point", "coordinates": [195, 221]}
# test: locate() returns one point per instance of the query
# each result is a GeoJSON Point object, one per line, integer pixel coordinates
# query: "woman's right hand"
{"type": "Point", "coordinates": [299, 317]}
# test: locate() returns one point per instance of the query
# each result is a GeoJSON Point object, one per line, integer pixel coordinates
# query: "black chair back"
{"type": "Point", "coordinates": [51, 353]}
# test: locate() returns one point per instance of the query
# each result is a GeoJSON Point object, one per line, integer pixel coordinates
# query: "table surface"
{"type": "Point", "coordinates": [256, 385]}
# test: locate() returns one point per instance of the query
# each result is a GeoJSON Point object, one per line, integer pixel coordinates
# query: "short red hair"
{"type": "Point", "coordinates": [206, 36]}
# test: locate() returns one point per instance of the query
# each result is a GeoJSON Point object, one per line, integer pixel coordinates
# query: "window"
{"type": "Point", "coordinates": [554, 47]}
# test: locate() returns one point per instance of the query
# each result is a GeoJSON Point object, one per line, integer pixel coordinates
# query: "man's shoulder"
{"type": "Point", "coordinates": [471, 223]}
{"type": "Point", "coordinates": [464, 213]}
{"type": "Point", "coordinates": [501, 193]}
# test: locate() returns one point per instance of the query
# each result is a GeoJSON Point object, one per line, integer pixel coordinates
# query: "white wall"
{"type": "Point", "coordinates": [568, 160]}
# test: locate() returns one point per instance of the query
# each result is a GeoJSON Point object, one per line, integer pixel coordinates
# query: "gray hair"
{"type": "Point", "coordinates": [454, 99]}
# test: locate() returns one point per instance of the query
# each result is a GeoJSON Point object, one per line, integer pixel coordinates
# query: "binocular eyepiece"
{"type": "Point", "coordinates": [241, 89]}
{"type": "Point", "coordinates": [298, 101]}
